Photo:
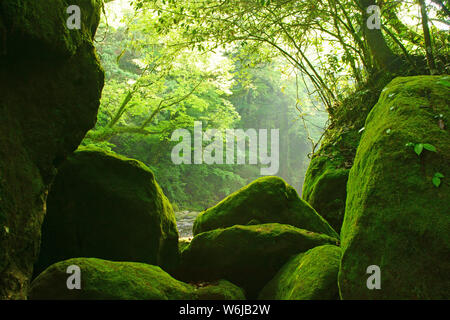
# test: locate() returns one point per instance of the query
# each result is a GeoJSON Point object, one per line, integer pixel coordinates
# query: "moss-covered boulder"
{"type": "Point", "coordinates": [266, 200]}
{"type": "Point", "coordinates": [107, 206]}
{"type": "Point", "coordinates": [42, 25]}
{"type": "Point", "coordinates": [248, 256]}
{"type": "Point", "coordinates": [107, 280]}
{"type": "Point", "coordinates": [307, 276]}
{"type": "Point", "coordinates": [50, 86]}
{"type": "Point", "coordinates": [325, 190]}
{"type": "Point", "coordinates": [324, 187]}
{"type": "Point", "coordinates": [219, 290]}
{"type": "Point", "coordinates": [183, 243]}
{"type": "Point", "coordinates": [396, 218]}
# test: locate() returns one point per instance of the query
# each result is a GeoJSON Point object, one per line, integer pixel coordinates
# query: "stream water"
{"type": "Point", "coordinates": [185, 221]}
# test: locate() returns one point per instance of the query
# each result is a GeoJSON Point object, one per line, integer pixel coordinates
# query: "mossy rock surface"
{"type": "Point", "coordinates": [324, 187]}
{"type": "Point", "coordinates": [325, 190]}
{"type": "Point", "coordinates": [307, 276]}
{"type": "Point", "coordinates": [51, 82]}
{"type": "Point", "coordinates": [395, 217]}
{"type": "Point", "coordinates": [183, 243]}
{"type": "Point", "coordinates": [40, 27]}
{"type": "Point", "coordinates": [108, 280]}
{"type": "Point", "coordinates": [106, 206]}
{"type": "Point", "coordinates": [219, 290]}
{"type": "Point", "coordinates": [266, 200]}
{"type": "Point", "coordinates": [248, 256]}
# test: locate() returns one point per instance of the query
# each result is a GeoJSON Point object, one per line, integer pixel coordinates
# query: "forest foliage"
{"type": "Point", "coordinates": [249, 64]}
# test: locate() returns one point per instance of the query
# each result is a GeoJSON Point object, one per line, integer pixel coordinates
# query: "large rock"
{"type": "Point", "coordinates": [266, 200]}
{"type": "Point", "coordinates": [50, 86]}
{"type": "Point", "coordinates": [395, 217]}
{"type": "Point", "coordinates": [308, 276]}
{"type": "Point", "coordinates": [325, 190]}
{"type": "Point", "coordinates": [107, 206]}
{"type": "Point", "coordinates": [248, 256]}
{"type": "Point", "coordinates": [325, 183]}
{"type": "Point", "coordinates": [218, 290]}
{"type": "Point", "coordinates": [107, 280]}
{"type": "Point", "coordinates": [40, 27]}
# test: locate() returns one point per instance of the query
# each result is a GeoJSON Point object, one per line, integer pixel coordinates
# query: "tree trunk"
{"type": "Point", "coordinates": [381, 52]}
{"type": "Point", "coordinates": [427, 38]}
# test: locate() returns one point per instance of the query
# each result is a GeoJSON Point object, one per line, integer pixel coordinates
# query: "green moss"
{"type": "Point", "coordinates": [51, 84]}
{"type": "Point", "coordinates": [325, 190]}
{"type": "Point", "coordinates": [395, 217]}
{"type": "Point", "coordinates": [183, 244]}
{"type": "Point", "coordinates": [111, 207]}
{"type": "Point", "coordinates": [267, 199]}
{"type": "Point", "coordinates": [307, 276]}
{"type": "Point", "coordinates": [347, 118]}
{"type": "Point", "coordinates": [220, 290]}
{"type": "Point", "coordinates": [92, 151]}
{"type": "Point", "coordinates": [42, 25]}
{"type": "Point", "coordinates": [253, 222]}
{"type": "Point", "coordinates": [248, 256]}
{"type": "Point", "coordinates": [325, 182]}
{"type": "Point", "coordinates": [108, 280]}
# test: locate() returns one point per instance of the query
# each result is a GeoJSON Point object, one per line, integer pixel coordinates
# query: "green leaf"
{"type": "Point", "coordinates": [409, 144]}
{"type": "Point", "coordinates": [436, 181]}
{"type": "Point", "coordinates": [429, 147]}
{"type": "Point", "coordinates": [439, 175]}
{"type": "Point", "coordinates": [418, 148]}
{"type": "Point", "coordinates": [388, 131]}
